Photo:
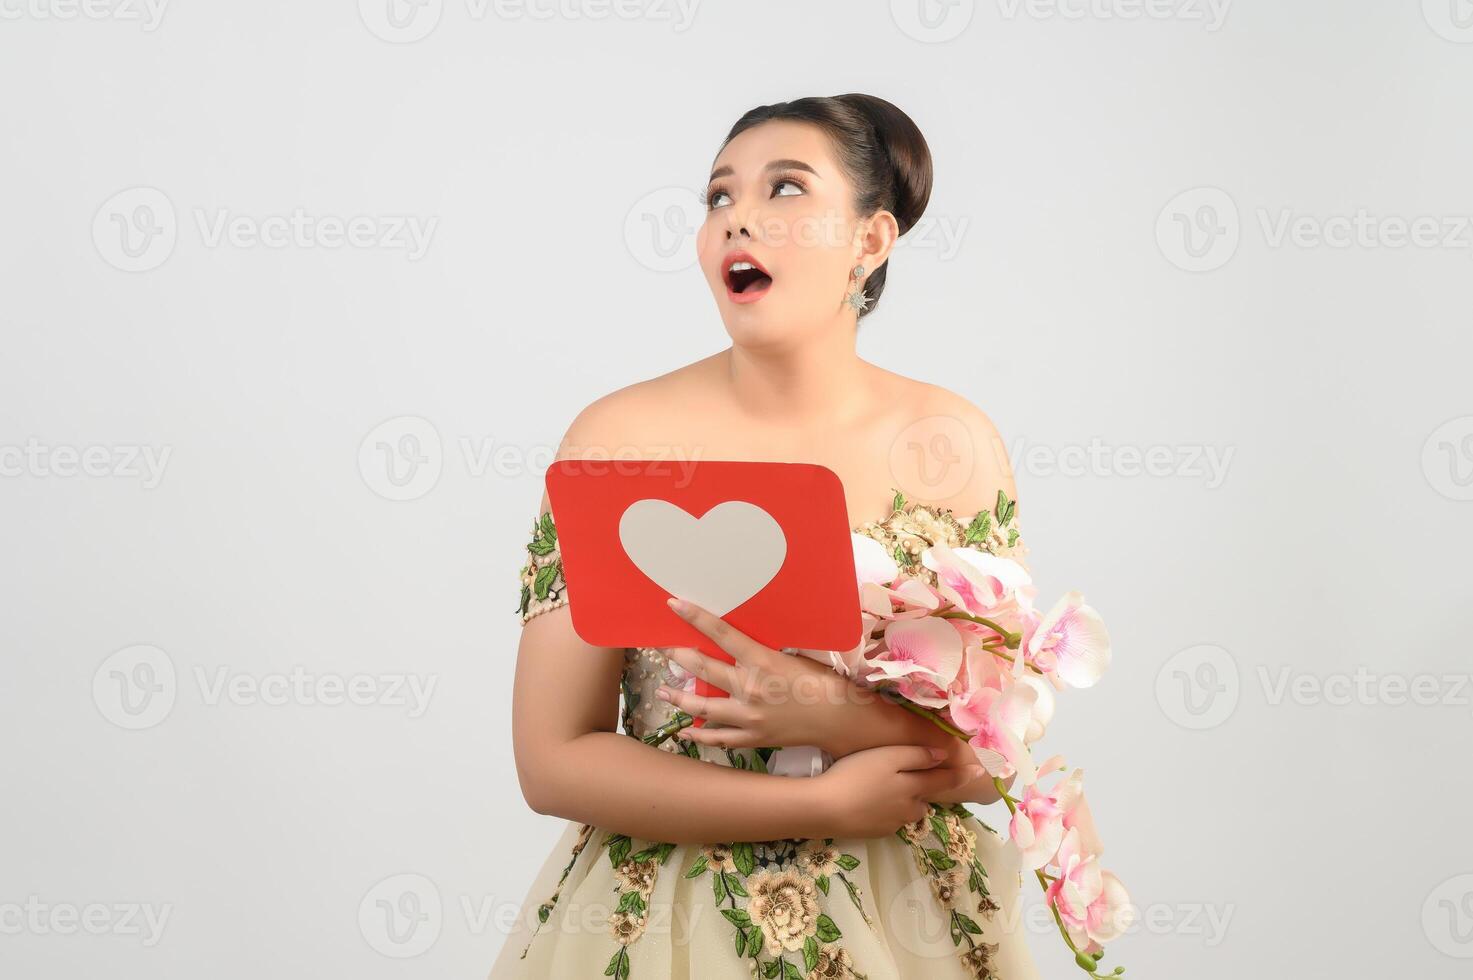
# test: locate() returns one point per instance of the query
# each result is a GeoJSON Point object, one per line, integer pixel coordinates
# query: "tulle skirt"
{"type": "Point", "coordinates": [938, 899]}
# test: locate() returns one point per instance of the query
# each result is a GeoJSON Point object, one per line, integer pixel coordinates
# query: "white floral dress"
{"type": "Point", "coordinates": [939, 898]}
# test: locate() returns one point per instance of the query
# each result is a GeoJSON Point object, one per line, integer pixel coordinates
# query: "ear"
{"type": "Point", "coordinates": [874, 238]}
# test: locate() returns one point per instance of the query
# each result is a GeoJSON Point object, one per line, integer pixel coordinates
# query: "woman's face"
{"type": "Point", "coordinates": [778, 195]}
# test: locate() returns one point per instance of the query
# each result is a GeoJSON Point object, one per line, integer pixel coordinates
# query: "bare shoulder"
{"type": "Point", "coordinates": [960, 458]}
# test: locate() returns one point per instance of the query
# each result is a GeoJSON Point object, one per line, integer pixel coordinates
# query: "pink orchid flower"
{"type": "Point", "coordinates": [872, 563]}
{"type": "Point", "coordinates": [1037, 828]}
{"type": "Point", "coordinates": [998, 719]}
{"type": "Point", "coordinates": [1092, 903]}
{"type": "Point", "coordinates": [914, 598]}
{"type": "Point", "coordinates": [1071, 642]}
{"type": "Point", "coordinates": [920, 657]}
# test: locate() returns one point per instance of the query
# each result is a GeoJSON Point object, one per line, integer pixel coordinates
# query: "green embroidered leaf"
{"type": "Point", "coordinates": [718, 887]}
{"type": "Point", "coordinates": [759, 764]}
{"type": "Point", "coordinates": [823, 883]}
{"type": "Point", "coordinates": [810, 954]}
{"type": "Point", "coordinates": [614, 962]}
{"type": "Point", "coordinates": [938, 824]}
{"type": "Point", "coordinates": [697, 869]}
{"type": "Point", "coordinates": [898, 502]}
{"type": "Point", "coordinates": [754, 942]}
{"type": "Point", "coordinates": [939, 859]}
{"type": "Point", "coordinates": [790, 972]}
{"type": "Point", "coordinates": [737, 917]}
{"type": "Point", "coordinates": [1012, 536]}
{"type": "Point", "coordinates": [741, 854]}
{"type": "Point", "coordinates": [526, 598]}
{"type": "Point", "coordinates": [618, 845]}
{"type": "Point", "coordinates": [543, 582]}
{"type": "Point", "coordinates": [827, 931]}
{"type": "Point", "coordinates": [853, 893]}
{"type": "Point", "coordinates": [968, 924]}
{"type": "Point", "coordinates": [741, 942]}
{"type": "Point", "coordinates": [665, 850]}
{"type": "Point", "coordinates": [547, 527]}
{"type": "Point", "coordinates": [1004, 509]}
{"type": "Point", "coordinates": [849, 862]}
{"type": "Point", "coordinates": [541, 547]}
{"type": "Point", "coordinates": [543, 911]}
{"type": "Point", "coordinates": [735, 886]}
{"type": "Point", "coordinates": [980, 527]}
{"type": "Point", "coordinates": [771, 969]}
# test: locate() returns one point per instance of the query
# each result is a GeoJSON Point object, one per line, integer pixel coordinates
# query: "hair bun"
{"type": "Point", "coordinates": [905, 148]}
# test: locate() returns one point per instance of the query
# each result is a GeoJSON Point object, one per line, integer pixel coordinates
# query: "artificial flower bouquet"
{"type": "Point", "coordinates": [974, 654]}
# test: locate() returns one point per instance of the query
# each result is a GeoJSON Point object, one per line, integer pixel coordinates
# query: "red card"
{"type": "Point", "coordinates": [766, 546]}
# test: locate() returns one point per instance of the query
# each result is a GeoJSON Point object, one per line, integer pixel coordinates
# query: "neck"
{"type": "Point", "coordinates": [818, 380]}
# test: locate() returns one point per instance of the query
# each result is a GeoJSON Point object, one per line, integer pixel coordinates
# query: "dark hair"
{"type": "Point", "coordinates": [880, 149]}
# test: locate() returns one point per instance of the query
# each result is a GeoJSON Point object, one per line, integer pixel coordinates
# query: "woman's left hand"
{"type": "Point", "coordinates": [777, 698]}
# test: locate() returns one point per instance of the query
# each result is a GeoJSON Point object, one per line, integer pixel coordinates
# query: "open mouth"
{"type": "Point", "coordinates": [746, 280]}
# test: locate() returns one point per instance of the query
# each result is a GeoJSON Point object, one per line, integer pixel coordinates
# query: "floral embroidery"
{"type": "Point", "coordinates": [912, 528]}
{"type": "Point", "coordinates": [635, 877]}
{"type": "Point", "coordinates": [545, 909]}
{"type": "Point", "coordinates": [950, 867]}
{"type": "Point", "coordinates": [542, 575]}
{"type": "Point", "coordinates": [783, 923]}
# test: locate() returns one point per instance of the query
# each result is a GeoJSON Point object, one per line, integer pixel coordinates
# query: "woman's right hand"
{"type": "Point", "coordinates": [873, 792]}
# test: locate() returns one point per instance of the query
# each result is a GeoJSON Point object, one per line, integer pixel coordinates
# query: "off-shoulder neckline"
{"type": "Point", "coordinates": [909, 507]}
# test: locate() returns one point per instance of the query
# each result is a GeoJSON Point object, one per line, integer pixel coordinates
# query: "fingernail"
{"type": "Point", "coordinates": [937, 753]}
{"type": "Point", "coordinates": [680, 606]}
{"type": "Point", "coordinates": [662, 694]}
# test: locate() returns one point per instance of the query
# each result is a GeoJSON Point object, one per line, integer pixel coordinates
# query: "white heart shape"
{"type": "Point", "coordinates": [718, 561]}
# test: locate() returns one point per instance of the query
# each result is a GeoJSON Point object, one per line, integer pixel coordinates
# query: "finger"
{"type": "Point", "coordinates": [905, 757]}
{"type": "Point", "coordinates": [723, 675]}
{"type": "Point", "coordinates": [933, 782]}
{"type": "Point", "coordinates": [723, 710]}
{"type": "Point", "coordinates": [721, 738]}
{"type": "Point", "coordinates": [726, 636]}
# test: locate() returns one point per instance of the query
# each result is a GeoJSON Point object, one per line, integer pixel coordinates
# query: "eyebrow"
{"type": "Point", "coordinates": [774, 165]}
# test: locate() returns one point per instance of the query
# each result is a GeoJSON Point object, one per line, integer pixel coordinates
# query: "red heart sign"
{"type": "Point", "coordinates": [765, 546]}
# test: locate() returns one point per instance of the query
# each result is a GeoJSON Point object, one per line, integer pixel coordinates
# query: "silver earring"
{"type": "Point", "coordinates": [855, 297]}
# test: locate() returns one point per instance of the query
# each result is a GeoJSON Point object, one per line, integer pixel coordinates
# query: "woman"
{"type": "Point", "coordinates": [688, 854]}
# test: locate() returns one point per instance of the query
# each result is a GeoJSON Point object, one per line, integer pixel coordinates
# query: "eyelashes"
{"type": "Point", "coordinates": [716, 189]}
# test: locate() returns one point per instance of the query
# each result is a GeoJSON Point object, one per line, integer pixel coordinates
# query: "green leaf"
{"type": "Point", "coordinates": [614, 962]}
{"type": "Point", "coordinates": [940, 859]}
{"type": "Point", "coordinates": [968, 924]}
{"type": "Point", "coordinates": [848, 862]}
{"type": "Point", "coordinates": [541, 547]}
{"type": "Point", "coordinates": [790, 972]}
{"type": "Point", "coordinates": [628, 902]}
{"type": "Point", "coordinates": [735, 886]}
{"type": "Point", "coordinates": [547, 526]}
{"type": "Point", "coordinates": [737, 917]}
{"type": "Point", "coordinates": [1012, 536]}
{"type": "Point", "coordinates": [898, 502]}
{"type": "Point", "coordinates": [526, 598]}
{"type": "Point", "coordinates": [740, 937]}
{"type": "Point", "coordinates": [771, 969]}
{"type": "Point", "coordinates": [827, 931]}
{"type": "Point", "coordinates": [742, 855]}
{"type": "Point", "coordinates": [980, 527]}
{"type": "Point", "coordinates": [543, 911]}
{"type": "Point", "coordinates": [810, 954]}
{"type": "Point", "coordinates": [618, 845]}
{"type": "Point", "coordinates": [754, 941]}
{"type": "Point", "coordinates": [718, 887]}
{"type": "Point", "coordinates": [665, 850]}
{"type": "Point", "coordinates": [543, 582]}
{"type": "Point", "coordinates": [938, 824]}
{"type": "Point", "coordinates": [823, 883]}
{"type": "Point", "coordinates": [697, 869]}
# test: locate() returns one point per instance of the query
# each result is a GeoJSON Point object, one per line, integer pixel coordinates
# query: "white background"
{"type": "Point", "coordinates": [551, 151]}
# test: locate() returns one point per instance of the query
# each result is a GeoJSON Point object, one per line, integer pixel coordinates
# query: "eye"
{"type": "Point", "coordinates": [790, 182]}
{"type": "Point", "coordinates": [712, 195]}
